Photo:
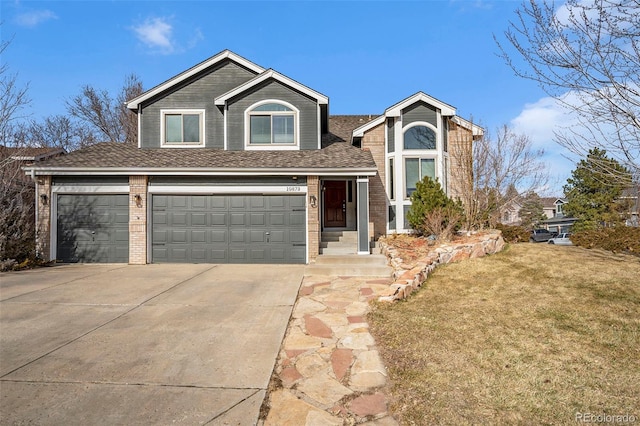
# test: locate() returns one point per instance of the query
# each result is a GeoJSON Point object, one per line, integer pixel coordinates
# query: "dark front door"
{"type": "Point", "coordinates": [335, 204]}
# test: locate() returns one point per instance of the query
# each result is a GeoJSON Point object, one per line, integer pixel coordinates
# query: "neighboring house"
{"type": "Point", "coordinates": [556, 220]}
{"type": "Point", "coordinates": [510, 213]}
{"type": "Point", "coordinates": [240, 164]}
{"type": "Point", "coordinates": [632, 196]}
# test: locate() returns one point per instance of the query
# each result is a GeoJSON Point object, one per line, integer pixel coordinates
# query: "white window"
{"type": "Point", "coordinates": [182, 128]}
{"type": "Point", "coordinates": [419, 137]}
{"type": "Point", "coordinates": [272, 125]}
{"type": "Point", "coordinates": [415, 169]}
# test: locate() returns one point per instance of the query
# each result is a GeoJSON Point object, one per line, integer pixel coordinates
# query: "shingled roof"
{"type": "Point", "coordinates": [113, 157]}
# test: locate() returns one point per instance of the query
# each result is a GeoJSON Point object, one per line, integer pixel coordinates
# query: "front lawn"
{"type": "Point", "coordinates": [536, 334]}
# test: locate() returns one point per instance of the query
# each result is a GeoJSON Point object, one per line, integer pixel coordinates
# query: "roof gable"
{"type": "Point", "coordinates": [266, 75]}
{"type": "Point", "coordinates": [225, 54]}
{"type": "Point", "coordinates": [396, 111]}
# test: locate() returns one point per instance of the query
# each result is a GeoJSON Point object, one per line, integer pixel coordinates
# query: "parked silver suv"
{"type": "Point", "coordinates": [541, 235]}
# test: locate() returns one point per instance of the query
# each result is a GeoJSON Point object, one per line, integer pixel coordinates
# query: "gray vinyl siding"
{"type": "Point", "coordinates": [445, 134]}
{"type": "Point", "coordinates": [419, 111]}
{"type": "Point", "coordinates": [363, 216]}
{"type": "Point", "coordinates": [196, 93]}
{"type": "Point", "coordinates": [308, 113]}
{"type": "Point", "coordinates": [391, 136]}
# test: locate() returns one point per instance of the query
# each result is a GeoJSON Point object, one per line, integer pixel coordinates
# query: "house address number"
{"type": "Point", "coordinates": [294, 189]}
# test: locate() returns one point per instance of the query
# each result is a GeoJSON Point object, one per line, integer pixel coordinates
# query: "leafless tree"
{"type": "Point", "coordinates": [495, 171]}
{"type": "Point", "coordinates": [13, 100]}
{"type": "Point", "coordinates": [56, 131]}
{"type": "Point", "coordinates": [586, 55]}
{"type": "Point", "coordinates": [108, 116]}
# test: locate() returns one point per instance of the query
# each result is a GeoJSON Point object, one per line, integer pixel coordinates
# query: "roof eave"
{"type": "Point", "coordinates": [125, 171]}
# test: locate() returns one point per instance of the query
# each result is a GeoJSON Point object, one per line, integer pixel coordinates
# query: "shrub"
{"type": "Point", "coordinates": [620, 239]}
{"type": "Point", "coordinates": [432, 212]}
{"type": "Point", "coordinates": [513, 234]}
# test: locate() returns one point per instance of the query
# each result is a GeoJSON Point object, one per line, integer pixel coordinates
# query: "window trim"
{"type": "Point", "coordinates": [423, 124]}
{"type": "Point", "coordinates": [272, 146]}
{"type": "Point", "coordinates": [165, 112]}
{"type": "Point", "coordinates": [419, 158]}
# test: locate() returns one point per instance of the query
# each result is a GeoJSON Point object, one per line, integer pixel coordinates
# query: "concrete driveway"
{"type": "Point", "coordinates": [154, 344]}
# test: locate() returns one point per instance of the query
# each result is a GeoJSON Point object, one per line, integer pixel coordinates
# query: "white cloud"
{"type": "Point", "coordinates": [156, 33]}
{"type": "Point", "coordinates": [33, 18]}
{"type": "Point", "coordinates": [539, 121]}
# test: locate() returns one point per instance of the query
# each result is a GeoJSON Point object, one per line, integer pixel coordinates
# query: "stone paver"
{"type": "Point", "coordinates": [329, 367]}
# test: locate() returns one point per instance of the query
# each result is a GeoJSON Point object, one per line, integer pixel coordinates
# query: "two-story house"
{"type": "Point", "coordinates": [240, 164]}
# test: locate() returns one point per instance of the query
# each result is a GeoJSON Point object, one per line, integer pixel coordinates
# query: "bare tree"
{"type": "Point", "coordinates": [495, 171]}
{"type": "Point", "coordinates": [13, 100]}
{"type": "Point", "coordinates": [586, 55]}
{"type": "Point", "coordinates": [108, 116]}
{"type": "Point", "coordinates": [56, 131]}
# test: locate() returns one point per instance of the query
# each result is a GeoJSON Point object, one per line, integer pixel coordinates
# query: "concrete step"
{"type": "Point", "coordinates": [354, 259]}
{"type": "Point", "coordinates": [337, 244]}
{"type": "Point", "coordinates": [339, 236]}
{"type": "Point", "coordinates": [350, 265]}
{"type": "Point", "coordinates": [339, 250]}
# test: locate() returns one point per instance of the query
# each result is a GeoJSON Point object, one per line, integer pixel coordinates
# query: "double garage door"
{"type": "Point", "coordinates": [228, 228]}
{"type": "Point", "coordinates": [185, 228]}
{"type": "Point", "coordinates": [92, 228]}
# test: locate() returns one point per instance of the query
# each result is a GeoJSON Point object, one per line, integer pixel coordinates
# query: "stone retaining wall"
{"type": "Point", "coordinates": [409, 277]}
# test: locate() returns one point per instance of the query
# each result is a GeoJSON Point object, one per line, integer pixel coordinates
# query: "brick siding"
{"type": "Point", "coordinates": [313, 224]}
{"type": "Point", "coordinates": [373, 141]}
{"type": "Point", "coordinates": [137, 220]}
{"type": "Point", "coordinates": [43, 225]}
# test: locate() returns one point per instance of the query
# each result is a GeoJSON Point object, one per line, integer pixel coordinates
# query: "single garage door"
{"type": "Point", "coordinates": [93, 228]}
{"type": "Point", "coordinates": [229, 228]}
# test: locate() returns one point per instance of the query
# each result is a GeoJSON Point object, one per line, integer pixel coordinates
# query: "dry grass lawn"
{"type": "Point", "coordinates": [532, 335]}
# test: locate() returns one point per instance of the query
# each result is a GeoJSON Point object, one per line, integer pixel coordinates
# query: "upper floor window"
{"type": "Point", "coordinates": [272, 123]}
{"type": "Point", "coordinates": [182, 128]}
{"type": "Point", "coordinates": [419, 137]}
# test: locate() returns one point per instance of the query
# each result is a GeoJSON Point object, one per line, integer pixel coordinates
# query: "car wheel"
{"type": "Point", "coordinates": [551, 242]}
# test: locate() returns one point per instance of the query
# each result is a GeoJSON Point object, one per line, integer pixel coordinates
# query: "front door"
{"type": "Point", "coordinates": [335, 204]}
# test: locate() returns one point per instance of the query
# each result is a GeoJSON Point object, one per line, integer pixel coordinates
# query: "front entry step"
{"type": "Point", "coordinates": [352, 265]}
{"type": "Point", "coordinates": [339, 242]}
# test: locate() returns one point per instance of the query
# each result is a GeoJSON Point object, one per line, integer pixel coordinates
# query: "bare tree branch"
{"type": "Point", "coordinates": [586, 55]}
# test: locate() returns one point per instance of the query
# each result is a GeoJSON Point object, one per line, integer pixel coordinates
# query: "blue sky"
{"type": "Point", "coordinates": [365, 56]}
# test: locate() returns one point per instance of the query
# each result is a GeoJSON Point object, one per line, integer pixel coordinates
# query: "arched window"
{"type": "Point", "coordinates": [272, 123]}
{"type": "Point", "coordinates": [419, 137]}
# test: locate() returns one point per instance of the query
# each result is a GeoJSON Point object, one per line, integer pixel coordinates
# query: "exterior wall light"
{"type": "Point", "coordinates": [44, 199]}
{"type": "Point", "coordinates": [313, 201]}
{"type": "Point", "coordinates": [138, 200]}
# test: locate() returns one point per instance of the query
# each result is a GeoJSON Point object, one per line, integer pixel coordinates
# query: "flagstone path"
{"type": "Point", "coordinates": [329, 368]}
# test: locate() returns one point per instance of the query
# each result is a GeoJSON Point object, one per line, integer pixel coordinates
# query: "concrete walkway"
{"type": "Point", "coordinates": [329, 370]}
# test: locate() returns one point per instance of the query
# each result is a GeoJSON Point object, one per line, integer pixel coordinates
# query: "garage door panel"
{"type": "Point", "coordinates": [238, 236]}
{"type": "Point", "coordinates": [178, 236]}
{"type": "Point", "coordinates": [198, 219]}
{"type": "Point", "coordinates": [218, 219]}
{"type": "Point", "coordinates": [219, 236]}
{"type": "Point", "coordinates": [276, 219]}
{"type": "Point", "coordinates": [199, 236]}
{"type": "Point", "coordinates": [92, 227]}
{"type": "Point", "coordinates": [230, 229]}
{"type": "Point", "coordinates": [238, 219]}
{"type": "Point", "coordinates": [257, 219]}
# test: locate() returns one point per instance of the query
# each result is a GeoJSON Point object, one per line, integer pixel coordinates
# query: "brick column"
{"type": "Point", "coordinates": [373, 141]}
{"type": "Point", "coordinates": [313, 225]}
{"type": "Point", "coordinates": [137, 220]}
{"type": "Point", "coordinates": [43, 217]}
